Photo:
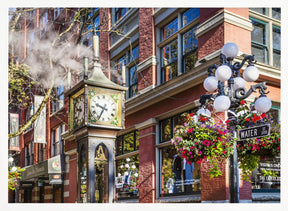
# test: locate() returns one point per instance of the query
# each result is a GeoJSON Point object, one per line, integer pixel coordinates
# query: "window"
{"type": "Point", "coordinates": [58, 100]}
{"type": "Point", "coordinates": [29, 154]}
{"type": "Point", "coordinates": [56, 141]}
{"type": "Point", "coordinates": [127, 165]}
{"type": "Point", "coordinates": [130, 60]}
{"type": "Point", "coordinates": [177, 177]}
{"type": "Point", "coordinates": [120, 12]}
{"type": "Point", "coordinates": [266, 35]}
{"type": "Point", "coordinates": [179, 45]}
{"type": "Point", "coordinates": [43, 23]}
{"type": "Point", "coordinates": [276, 46]}
{"type": "Point", "coordinates": [127, 143]}
{"type": "Point", "coordinates": [57, 12]}
{"type": "Point", "coordinates": [92, 22]}
{"type": "Point", "coordinates": [260, 41]}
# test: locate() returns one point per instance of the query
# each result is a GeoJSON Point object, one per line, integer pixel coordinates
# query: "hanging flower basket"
{"type": "Point", "coordinates": [251, 150]}
{"type": "Point", "coordinates": [201, 138]}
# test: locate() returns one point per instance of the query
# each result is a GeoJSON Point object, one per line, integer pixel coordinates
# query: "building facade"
{"type": "Point", "coordinates": [161, 55]}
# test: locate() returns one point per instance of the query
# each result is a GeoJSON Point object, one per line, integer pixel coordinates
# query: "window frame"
{"type": "Point", "coordinates": [57, 103]}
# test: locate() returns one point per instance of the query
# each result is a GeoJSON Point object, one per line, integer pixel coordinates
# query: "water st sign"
{"type": "Point", "coordinates": [254, 132]}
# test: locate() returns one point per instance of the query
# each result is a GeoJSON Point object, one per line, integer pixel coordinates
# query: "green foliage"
{"type": "Point", "coordinates": [200, 138]}
{"type": "Point", "coordinates": [13, 177]}
{"type": "Point", "coordinates": [251, 150]}
{"type": "Point", "coordinates": [19, 80]}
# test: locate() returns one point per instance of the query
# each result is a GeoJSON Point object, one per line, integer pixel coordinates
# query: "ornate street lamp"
{"type": "Point", "coordinates": [229, 96]}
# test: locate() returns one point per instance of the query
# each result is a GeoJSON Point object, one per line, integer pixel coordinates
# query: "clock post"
{"type": "Point", "coordinates": [96, 107]}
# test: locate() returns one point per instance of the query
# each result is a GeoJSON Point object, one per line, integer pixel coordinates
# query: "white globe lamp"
{"type": "Point", "coordinates": [230, 50]}
{"type": "Point", "coordinates": [204, 112]}
{"type": "Point", "coordinates": [251, 74]}
{"type": "Point", "coordinates": [223, 73]}
{"type": "Point", "coordinates": [263, 104]}
{"type": "Point", "coordinates": [210, 83]}
{"type": "Point", "coordinates": [221, 103]}
{"type": "Point", "coordinates": [239, 82]}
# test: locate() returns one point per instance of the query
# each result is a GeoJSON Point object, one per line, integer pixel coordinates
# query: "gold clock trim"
{"type": "Point", "coordinates": [71, 113]}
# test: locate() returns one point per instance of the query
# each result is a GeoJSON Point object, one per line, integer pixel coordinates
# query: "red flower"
{"type": "Point", "coordinates": [191, 114]}
{"type": "Point", "coordinates": [224, 152]}
{"type": "Point", "coordinates": [227, 121]}
{"type": "Point", "coordinates": [247, 119]}
{"type": "Point", "coordinates": [190, 130]}
{"type": "Point", "coordinates": [242, 102]}
{"type": "Point", "coordinates": [263, 115]}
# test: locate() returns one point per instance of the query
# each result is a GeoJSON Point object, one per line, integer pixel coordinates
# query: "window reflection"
{"type": "Point", "coordinates": [127, 177]}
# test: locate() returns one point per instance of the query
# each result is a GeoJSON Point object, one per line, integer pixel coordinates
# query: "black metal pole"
{"type": "Point", "coordinates": [233, 174]}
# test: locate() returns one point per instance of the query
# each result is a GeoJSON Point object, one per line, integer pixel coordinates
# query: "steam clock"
{"type": "Point", "coordinates": [96, 114]}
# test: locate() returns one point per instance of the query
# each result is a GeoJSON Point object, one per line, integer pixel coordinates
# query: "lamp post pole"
{"type": "Point", "coordinates": [228, 98]}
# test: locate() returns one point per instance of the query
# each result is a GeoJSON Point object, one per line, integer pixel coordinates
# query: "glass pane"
{"type": "Point", "coordinates": [133, 75]}
{"type": "Point", "coordinates": [165, 127]}
{"type": "Point", "coordinates": [169, 72]}
{"type": "Point", "coordinates": [190, 15]}
{"type": "Point", "coordinates": [259, 33]}
{"type": "Point", "coordinates": [261, 180]}
{"type": "Point", "coordinates": [189, 41]}
{"type": "Point", "coordinates": [259, 53]}
{"type": "Point", "coordinates": [260, 10]}
{"type": "Point", "coordinates": [170, 28]}
{"type": "Point", "coordinates": [128, 142]}
{"type": "Point", "coordinates": [170, 52]}
{"type": "Point", "coordinates": [179, 120]}
{"type": "Point", "coordinates": [190, 61]}
{"type": "Point", "coordinates": [276, 38]}
{"type": "Point", "coordinates": [134, 54]}
{"type": "Point", "coordinates": [127, 177]}
{"type": "Point", "coordinates": [177, 176]}
{"type": "Point", "coordinates": [276, 13]}
{"type": "Point", "coordinates": [276, 59]}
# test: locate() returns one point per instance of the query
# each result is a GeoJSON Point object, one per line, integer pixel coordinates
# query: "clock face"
{"type": "Point", "coordinates": [103, 107]}
{"type": "Point", "coordinates": [79, 110]}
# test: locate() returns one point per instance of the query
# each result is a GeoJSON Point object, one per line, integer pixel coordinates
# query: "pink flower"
{"type": "Point", "coordinates": [200, 152]}
{"type": "Point", "coordinates": [190, 130]}
{"type": "Point", "coordinates": [224, 152]}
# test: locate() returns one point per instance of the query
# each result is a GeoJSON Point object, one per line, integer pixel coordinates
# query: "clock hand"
{"type": "Point", "coordinates": [103, 109]}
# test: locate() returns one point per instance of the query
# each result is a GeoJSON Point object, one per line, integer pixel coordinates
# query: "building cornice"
{"type": "Point", "coordinates": [221, 17]}
{"type": "Point", "coordinates": [147, 63]}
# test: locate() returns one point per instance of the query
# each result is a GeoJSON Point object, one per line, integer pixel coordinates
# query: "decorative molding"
{"type": "Point", "coordinates": [71, 152]}
{"type": "Point", "coordinates": [152, 60]}
{"type": "Point", "coordinates": [221, 17]}
{"type": "Point", "coordinates": [145, 124]}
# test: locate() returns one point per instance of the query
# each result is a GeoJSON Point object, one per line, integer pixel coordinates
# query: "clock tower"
{"type": "Point", "coordinates": [96, 114]}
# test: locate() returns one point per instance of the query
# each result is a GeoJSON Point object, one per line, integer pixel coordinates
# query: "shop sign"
{"type": "Point", "coordinates": [54, 165]}
{"type": "Point", "coordinates": [40, 122]}
{"type": "Point", "coordinates": [14, 126]}
{"type": "Point", "coordinates": [55, 179]}
{"type": "Point", "coordinates": [254, 132]}
{"type": "Point", "coordinates": [119, 182]}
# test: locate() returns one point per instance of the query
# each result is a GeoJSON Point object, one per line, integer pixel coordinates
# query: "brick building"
{"type": "Point", "coordinates": [166, 53]}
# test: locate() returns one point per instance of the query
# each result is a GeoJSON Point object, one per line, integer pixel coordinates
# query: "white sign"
{"type": "Point", "coordinates": [40, 123]}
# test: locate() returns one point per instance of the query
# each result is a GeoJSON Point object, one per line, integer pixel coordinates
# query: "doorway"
{"type": "Point", "coordinates": [101, 174]}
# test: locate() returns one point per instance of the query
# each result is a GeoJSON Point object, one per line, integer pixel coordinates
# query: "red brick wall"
{"type": "Point", "coordinates": [165, 105]}
{"type": "Point", "coordinates": [212, 189]}
{"type": "Point", "coordinates": [147, 165]}
{"type": "Point", "coordinates": [146, 34]}
{"type": "Point", "coordinates": [146, 46]}
{"type": "Point", "coordinates": [206, 13]}
{"type": "Point", "coordinates": [104, 37]}
{"type": "Point", "coordinates": [211, 41]}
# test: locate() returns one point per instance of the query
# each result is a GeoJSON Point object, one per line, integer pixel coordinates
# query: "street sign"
{"type": "Point", "coordinates": [254, 132]}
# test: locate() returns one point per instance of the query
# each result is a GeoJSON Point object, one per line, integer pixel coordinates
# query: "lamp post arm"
{"type": "Point", "coordinates": [241, 93]}
{"type": "Point", "coordinates": [250, 58]}
{"type": "Point", "coordinates": [211, 69]}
